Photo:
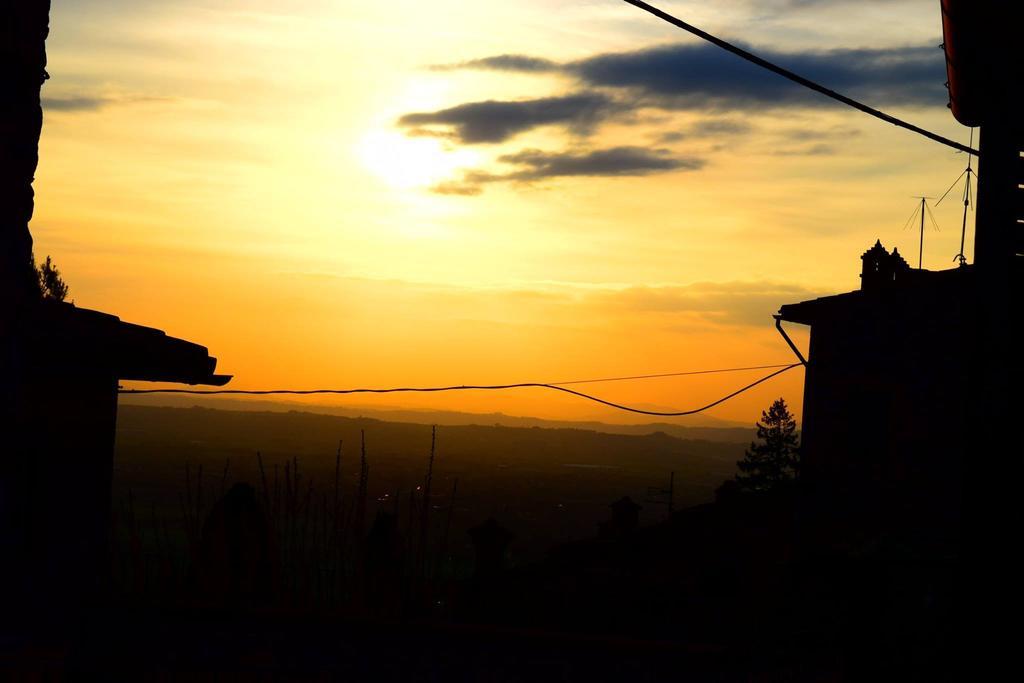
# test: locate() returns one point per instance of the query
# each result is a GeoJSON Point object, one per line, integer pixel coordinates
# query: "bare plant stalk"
{"type": "Point", "coordinates": [306, 550]}
{"type": "Point", "coordinates": [276, 503]}
{"type": "Point", "coordinates": [197, 517]}
{"type": "Point", "coordinates": [447, 527]}
{"type": "Point", "coordinates": [263, 479]}
{"type": "Point", "coordinates": [224, 477]}
{"type": "Point", "coordinates": [364, 473]}
{"type": "Point", "coordinates": [334, 547]}
{"type": "Point", "coordinates": [410, 546]}
{"type": "Point", "coordinates": [188, 500]}
{"type": "Point", "coordinates": [425, 516]}
{"type": "Point", "coordinates": [337, 484]}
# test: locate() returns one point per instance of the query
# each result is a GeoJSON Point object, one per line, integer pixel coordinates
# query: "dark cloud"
{"type": "Point", "coordinates": [535, 165]}
{"type": "Point", "coordinates": [670, 137]}
{"type": "Point", "coordinates": [495, 121]}
{"type": "Point", "coordinates": [810, 134]}
{"type": "Point", "coordinates": [617, 161]}
{"type": "Point", "coordinates": [454, 187]}
{"type": "Point", "coordinates": [697, 77]}
{"type": "Point", "coordinates": [689, 76]}
{"type": "Point", "coordinates": [813, 141]}
{"type": "Point", "coordinates": [523, 63]}
{"type": "Point", "coordinates": [702, 76]}
{"type": "Point", "coordinates": [706, 128]}
{"type": "Point", "coordinates": [718, 127]}
{"type": "Point", "coordinates": [429, 133]}
{"type": "Point", "coordinates": [90, 103]}
{"type": "Point", "coordinates": [815, 150]}
{"type": "Point", "coordinates": [76, 104]}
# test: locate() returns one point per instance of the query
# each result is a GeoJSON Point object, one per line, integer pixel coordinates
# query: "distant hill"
{"type": "Point", "coordinates": [690, 427]}
{"type": "Point", "coordinates": [548, 485]}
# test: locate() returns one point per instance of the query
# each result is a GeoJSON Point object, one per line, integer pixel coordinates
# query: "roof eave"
{"type": "Point", "coordinates": [73, 340]}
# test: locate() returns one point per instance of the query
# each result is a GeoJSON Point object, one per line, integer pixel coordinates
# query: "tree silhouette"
{"type": "Point", "coordinates": [51, 285]}
{"type": "Point", "coordinates": [776, 459]}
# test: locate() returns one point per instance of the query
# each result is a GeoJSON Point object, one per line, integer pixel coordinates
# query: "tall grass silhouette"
{"type": "Point", "coordinates": [320, 554]}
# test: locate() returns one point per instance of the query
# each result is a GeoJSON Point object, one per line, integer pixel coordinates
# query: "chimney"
{"type": "Point", "coordinates": [880, 268]}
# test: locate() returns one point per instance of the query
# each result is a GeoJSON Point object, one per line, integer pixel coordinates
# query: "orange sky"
{"type": "Point", "coordinates": [239, 174]}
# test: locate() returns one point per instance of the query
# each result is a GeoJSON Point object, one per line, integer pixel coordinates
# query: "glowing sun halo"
{"type": "Point", "coordinates": [405, 162]}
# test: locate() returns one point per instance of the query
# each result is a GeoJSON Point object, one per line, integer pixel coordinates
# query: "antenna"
{"type": "Point", "coordinates": [967, 203]}
{"type": "Point", "coordinates": [921, 210]}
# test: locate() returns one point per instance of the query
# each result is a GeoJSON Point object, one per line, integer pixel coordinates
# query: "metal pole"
{"type": "Point", "coordinates": [920, 248]}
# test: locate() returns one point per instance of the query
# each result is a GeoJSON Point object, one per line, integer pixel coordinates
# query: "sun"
{"type": "Point", "coordinates": [411, 162]}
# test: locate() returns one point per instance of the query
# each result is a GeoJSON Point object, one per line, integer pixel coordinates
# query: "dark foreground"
{"type": "Point", "coordinates": [280, 580]}
{"type": "Point", "coordinates": [191, 646]}
{"type": "Point", "coordinates": [719, 593]}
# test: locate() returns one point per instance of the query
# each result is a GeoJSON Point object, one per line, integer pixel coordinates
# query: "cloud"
{"type": "Point", "coordinates": [662, 81]}
{"type": "Point", "coordinates": [535, 165]}
{"type": "Point", "coordinates": [494, 121]}
{"type": "Point", "coordinates": [429, 133]}
{"type": "Point", "coordinates": [702, 76]}
{"type": "Point", "coordinates": [690, 306]}
{"type": "Point", "coordinates": [690, 77]}
{"type": "Point", "coordinates": [811, 134]}
{"type": "Point", "coordinates": [670, 137]}
{"type": "Point", "coordinates": [616, 161]}
{"type": "Point", "coordinates": [76, 104]}
{"type": "Point", "coordinates": [728, 303]}
{"type": "Point", "coordinates": [814, 150]}
{"type": "Point", "coordinates": [706, 128]}
{"type": "Point", "coordinates": [521, 63]}
{"type": "Point", "coordinates": [454, 187]}
{"type": "Point", "coordinates": [717, 127]}
{"type": "Point", "coordinates": [90, 103]}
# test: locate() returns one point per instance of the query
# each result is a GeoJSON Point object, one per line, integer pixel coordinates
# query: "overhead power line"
{"type": "Point", "coordinates": [668, 374]}
{"type": "Point", "coordinates": [796, 78]}
{"type": "Point", "coordinates": [467, 387]}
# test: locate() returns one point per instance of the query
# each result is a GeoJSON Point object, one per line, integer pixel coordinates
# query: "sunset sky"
{"type": "Point", "coordinates": [336, 194]}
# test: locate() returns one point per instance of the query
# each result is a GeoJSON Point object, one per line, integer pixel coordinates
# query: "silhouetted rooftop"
{"type": "Point", "coordinates": [80, 340]}
{"type": "Point", "coordinates": [937, 286]}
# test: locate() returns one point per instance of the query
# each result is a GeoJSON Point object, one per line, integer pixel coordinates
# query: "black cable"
{"type": "Point", "coordinates": [931, 216]}
{"type": "Point", "coordinates": [967, 202]}
{"type": "Point", "coordinates": [917, 207]}
{"type": "Point", "coordinates": [463, 387]}
{"type": "Point", "coordinates": [667, 374]}
{"type": "Point", "coordinates": [955, 183]}
{"type": "Point", "coordinates": [786, 73]}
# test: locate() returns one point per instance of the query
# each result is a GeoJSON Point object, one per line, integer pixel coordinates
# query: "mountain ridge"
{"type": "Point", "coordinates": [706, 428]}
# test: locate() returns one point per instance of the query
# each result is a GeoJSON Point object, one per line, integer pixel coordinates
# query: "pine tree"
{"type": "Point", "coordinates": [776, 459]}
{"type": "Point", "coordinates": [51, 284]}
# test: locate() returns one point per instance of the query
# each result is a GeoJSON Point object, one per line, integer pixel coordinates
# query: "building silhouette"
{"type": "Point", "coordinates": [59, 371]}
{"type": "Point", "coordinates": [624, 520]}
{"type": "Point", "coordinates": [886, 391]}
{"type": "Point", "coordinates": [490, 546]}
{"type": "Point", "coordinates": [913, 387]}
